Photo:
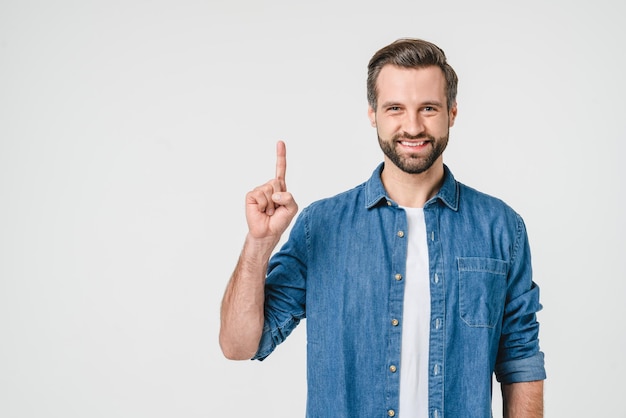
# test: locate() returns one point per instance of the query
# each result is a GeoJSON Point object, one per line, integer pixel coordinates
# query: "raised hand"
{"type": "Point", "coordinates": [270, 207]}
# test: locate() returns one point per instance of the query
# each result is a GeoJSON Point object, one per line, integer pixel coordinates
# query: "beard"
{"type": "Point", "coordinates": [414, 163]}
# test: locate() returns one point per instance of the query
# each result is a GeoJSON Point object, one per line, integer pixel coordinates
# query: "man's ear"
{"type": "Point", "coordinates": [452, 115]}
{"type": "Point", "coordinates": [371, 114]}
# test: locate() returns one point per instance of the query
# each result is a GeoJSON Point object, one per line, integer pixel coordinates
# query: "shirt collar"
{"type": "Point", "coordinates": [375, 191]}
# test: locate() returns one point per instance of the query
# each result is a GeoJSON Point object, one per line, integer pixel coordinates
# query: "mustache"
{"type": "Point", "coordinates": [405, 135]}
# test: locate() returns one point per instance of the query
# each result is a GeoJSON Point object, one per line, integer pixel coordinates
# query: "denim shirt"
{"type": "Point", "coordinates": [343, 268]}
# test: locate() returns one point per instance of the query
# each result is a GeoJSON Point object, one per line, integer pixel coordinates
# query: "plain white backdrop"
{"type": "Point", "coordinates": [131, 130]}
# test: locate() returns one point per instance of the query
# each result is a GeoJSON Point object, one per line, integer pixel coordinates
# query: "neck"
{"type": "Point", "coordinates": [412, 190]}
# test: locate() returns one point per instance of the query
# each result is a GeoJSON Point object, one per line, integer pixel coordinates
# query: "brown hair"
{"type": "Point", "coordinates": [410, 53]}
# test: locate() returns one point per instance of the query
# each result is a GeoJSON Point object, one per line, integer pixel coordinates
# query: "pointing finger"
{"type": "Point", "coordinates": [281, 163]}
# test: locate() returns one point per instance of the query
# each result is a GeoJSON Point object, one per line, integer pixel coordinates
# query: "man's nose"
{"type": "Point", "coordinates": [414, 125]}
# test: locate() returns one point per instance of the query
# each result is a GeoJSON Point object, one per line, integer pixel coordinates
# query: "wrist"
{"type": "Point", "coordinates": [259, 249]}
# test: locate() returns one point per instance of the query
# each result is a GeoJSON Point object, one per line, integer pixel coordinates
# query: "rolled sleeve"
{"type": "Point", "coordinates": [272, 337]}
{"type": "Point", "coordinates": [522, 370]}
{"type": "Point", "coordinates": [285, 291]}
{"type": "Point", "coordinates": [519, 357]}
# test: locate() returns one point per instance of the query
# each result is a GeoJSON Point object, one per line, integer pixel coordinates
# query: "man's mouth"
{"type": "Point", "coordinates": [413, 144]}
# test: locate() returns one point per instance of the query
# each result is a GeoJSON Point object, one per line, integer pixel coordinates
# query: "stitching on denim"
{"type": "Point", "coordinates": [518, 238]}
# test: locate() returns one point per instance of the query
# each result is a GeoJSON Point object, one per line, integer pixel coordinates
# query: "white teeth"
{"type": "Point", "coordinates": [413, 144]}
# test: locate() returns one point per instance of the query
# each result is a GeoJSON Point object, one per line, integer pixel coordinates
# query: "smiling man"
{"type": "Point", "coordinates": [416, 288]}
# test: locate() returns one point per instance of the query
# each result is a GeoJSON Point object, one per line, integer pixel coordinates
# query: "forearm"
{"type": "Point", "coordinates": [242, 311]}
{"type": "Point", "coordinates": [523, 400]}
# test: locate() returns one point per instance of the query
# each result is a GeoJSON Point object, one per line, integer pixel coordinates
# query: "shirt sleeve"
{"type": "Point", "coordinates": [285, 290]}
{"type": "Point", "coordinates": [519, 357]}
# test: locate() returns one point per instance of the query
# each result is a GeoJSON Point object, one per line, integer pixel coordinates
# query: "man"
{"type": "Point", "coordinates": [416, 288]}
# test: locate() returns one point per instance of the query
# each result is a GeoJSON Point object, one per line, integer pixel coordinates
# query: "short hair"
{"type": "Point", "coordinates": [410, 53]}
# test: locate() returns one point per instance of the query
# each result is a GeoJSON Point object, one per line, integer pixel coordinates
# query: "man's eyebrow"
{"type": "Point", "coordinates": [434, 103]}
{"type": "Point", "coordinates": [390, 104]}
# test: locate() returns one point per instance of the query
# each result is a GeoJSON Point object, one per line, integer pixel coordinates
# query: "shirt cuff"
{"type": "Point", "coordinates": [272, 337]}
{"type": "Point", "coordinates": [266, 346]}
{"type": "Point", "coordinates": [521, 370]}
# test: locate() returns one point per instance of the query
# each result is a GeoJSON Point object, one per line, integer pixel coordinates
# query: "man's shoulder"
{"type": "Point", "coordinates": [344, 199]}
{"type": "Point", "coordinates": [474, 199]}
{"type": "Point", "coordinates": [470, 192]}
{"type": "Point", "coordinates": [365, 195]}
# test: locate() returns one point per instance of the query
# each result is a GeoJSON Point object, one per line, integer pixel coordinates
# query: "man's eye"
{"type": "Point", "coordinates": [394, 108]}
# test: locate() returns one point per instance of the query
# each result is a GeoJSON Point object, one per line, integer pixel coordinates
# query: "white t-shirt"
{"type": "Point", "coordinates": [416, 321]}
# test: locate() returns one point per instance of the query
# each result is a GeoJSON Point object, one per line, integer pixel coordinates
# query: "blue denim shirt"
{"type": "Point", "coordinates": [343, 269]}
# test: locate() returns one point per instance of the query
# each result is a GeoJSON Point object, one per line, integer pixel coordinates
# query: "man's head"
{"type": "Point", "coordinates": [410, 53]}
{"type": "Point", "coordinates": [412, 103]}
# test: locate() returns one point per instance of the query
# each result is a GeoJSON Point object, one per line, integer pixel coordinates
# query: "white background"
{"type": "Point", "coordinates": [131, 130]}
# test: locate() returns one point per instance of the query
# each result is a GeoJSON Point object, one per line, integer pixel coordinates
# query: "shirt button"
{"type": "Point", "coordinates": [391, 413]}
{"type": "Point", "coordinates": [437, 323]}
{"type": "Point", "coordinates": [394, 322]}
{"type": "Point", "coordinates": [436, 278]}
{"type": "Point", "coordinates": [398, 276]}
{"type": "Point", "coordinates": [389, 203]}
{"type": "Point", "coordinates": [401, 234]}
{"type": "Point", "coordinates": [393, 368]}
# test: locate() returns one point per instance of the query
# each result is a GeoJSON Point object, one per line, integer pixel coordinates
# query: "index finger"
{"type": "Point", "coordinates": [281, 162]}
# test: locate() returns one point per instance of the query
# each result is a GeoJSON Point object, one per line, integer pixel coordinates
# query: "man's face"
{"type": "Point", "coordinates": [412, 119]}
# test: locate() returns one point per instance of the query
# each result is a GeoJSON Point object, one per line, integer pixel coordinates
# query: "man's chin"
{"type": "Point", "coordinates": [414, 165]}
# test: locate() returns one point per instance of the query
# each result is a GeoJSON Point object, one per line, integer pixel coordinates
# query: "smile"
{"type": "Point", "coordinates": [412, 144]}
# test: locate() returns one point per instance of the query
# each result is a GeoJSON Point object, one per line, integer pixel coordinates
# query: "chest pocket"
{"type": "Point", "coordinates": [482, 290]}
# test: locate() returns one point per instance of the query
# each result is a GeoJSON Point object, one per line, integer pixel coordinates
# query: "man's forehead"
{"type": "Point", "coordinates": [392, 70]}
{"type": "Point", "coordinates": [392, 77]}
